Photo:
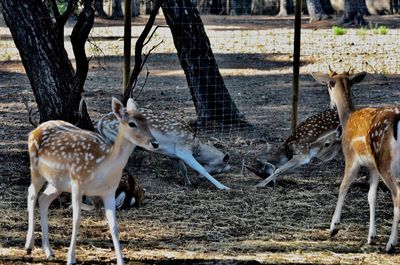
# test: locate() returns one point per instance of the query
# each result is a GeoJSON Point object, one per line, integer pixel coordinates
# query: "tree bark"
{"type": "Point", "coordinates": [45, 60]}
{"type": "Point", "coordinates": [135, 8]}
{"type": "Point", "coordinates": [117, 8]}
{"type": "Point", "coordinates": [316, 11]}
{"type": "Point", "coordinates": [128, 89]}
{"type": "Point", "coordinates": [354, 11]}
{"type": "Point", "coordinates": [98, 6]}
{"type": "Point", "coordinates": [209, 93]}
{"type": "Point", "coordinates": [285, 7]}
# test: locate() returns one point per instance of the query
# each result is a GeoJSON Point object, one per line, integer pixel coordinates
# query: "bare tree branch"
{"type": "Point", "coordinates": [79, 36]}
{"type": "Point", "coordinates": [145, 81]}
{"type": "Point", "coordinates": [138, 52]}
{"type": "Point", "coordinates": [61, 19]}
{"type": "Point", "coordinates": [29, 110]}
{"type": "Point", "coordinates": [151, 35]}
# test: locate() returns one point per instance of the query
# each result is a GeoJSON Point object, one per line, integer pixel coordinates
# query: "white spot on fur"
{"type": "Point", "coordinates": [98, 160]}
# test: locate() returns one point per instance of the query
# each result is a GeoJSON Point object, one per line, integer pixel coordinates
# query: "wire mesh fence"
{"type": "Point", "coordinates": [254, 55]}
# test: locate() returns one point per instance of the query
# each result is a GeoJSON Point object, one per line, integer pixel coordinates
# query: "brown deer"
{"type": "Point", "coordinates": [370, 139]}
{"type": "Point", "coordinates": [316, 137]}
{"type": "Point", "coordinates": [82, 163]}
{"type": "Point", "coordinates": [128, 194]}
{"type": "Point", "coordinates": [176, 140]}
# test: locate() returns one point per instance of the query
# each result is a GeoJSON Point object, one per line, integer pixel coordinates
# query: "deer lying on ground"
{"type": "Point", "coordinates": [316, 137]}
{"type": "Point", "coordinates": [176, 140]}
{"type": "Point", "coordinates": [128, 194]}
{"type": "Point", "coordinates": [370, 139]}
{"type": "Point", "coordinates": [82, 163]}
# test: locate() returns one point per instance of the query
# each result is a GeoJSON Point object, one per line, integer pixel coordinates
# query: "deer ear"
{"type": "Point", "coordinates": [226, 158]}
{"type": "Point", "coordinates": [131, 105]}
{"type": "Point", "coordinates": [117, 108]}
{"type": "Point", "coordinates": [321, 78]}
{"type": "Point", "coordinates": [357, 78]}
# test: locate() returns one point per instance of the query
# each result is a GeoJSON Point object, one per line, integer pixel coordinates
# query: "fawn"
{"type": "Point", "coordinates": [82, 163]}
{"type": "Point", "coordinates": [176, 140]}
{"type": "Point", "coordinates": [370, 139]}
{"type": "Point", "coordinates": [316, 137]}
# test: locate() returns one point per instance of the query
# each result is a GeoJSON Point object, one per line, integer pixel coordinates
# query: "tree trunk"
{"type": "Point", "coordinates": [315, 10]}
{"type": "Point", "coordinates": [327, 7]}
{"type": "Point", "coordinates": [285, 7]}
{"type": "Point", "coordinates": [394, 6]}
{"type": "Point", "coordinates": [135, 8]}
{"type": "Point", "coordinates": [45, 61]}
{"type": "Point", "coordinates": [98, 6]}
{"type": "Point", "coordinates": [117, 9]}
{"type": "Point", "coordinates": [209, 93]}
{"type": "Point", "coordinates": [354, 11]}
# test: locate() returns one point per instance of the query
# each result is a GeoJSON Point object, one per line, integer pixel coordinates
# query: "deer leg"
{"type": "Point", "coordinates": [391, 182]}
{"type": "Point", "coordinates": [33, 190]}
{"type": "Point", "coordinates": [120, 199]}
{"type": "Point", "coordinates": [293, 163]}
{"type": "Point", "coordinates": [47, 197]}
{"type": "Point", "coordinates": [109, 206]}
{"type": "Point", "coordinates": [373, 186]}
{"type": "Point", "coordinates": [349, 176]}
{"type": "Point", "coordinates": [188, 158]}
{"type": "Point", "coordinates": [76, 197]}
{"type": "Point", "coordinates": [390, 247]}
{"type": "Point", "coordinates": [181, 168]}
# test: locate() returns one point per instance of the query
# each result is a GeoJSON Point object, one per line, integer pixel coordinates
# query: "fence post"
{"type": "Point", "coordinates": [127, 43]}
{"type": "Point", "coordinates": [296, 63]}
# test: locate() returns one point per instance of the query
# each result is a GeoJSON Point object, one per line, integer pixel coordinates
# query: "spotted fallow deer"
{"type": "Point", "coordinates": [176, 140]}
{"type": "Point", "coordinates": [316, 137]}
{"type": "Point", "coordinates": [82, 163]}
{"type": "Point", "coordinates": [370, 139]}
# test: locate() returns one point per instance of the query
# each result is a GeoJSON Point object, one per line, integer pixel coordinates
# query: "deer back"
{"type": "Point", "coordinates": [318, 136]}
{"type": "Point", "coordinates": [167, 129]}
{"type": "Point", "coordinates": [316, 132]}
{"type": "Point", "coordinates": [383, 139]}
{"type": "Point", "coordinates": [58, 146]}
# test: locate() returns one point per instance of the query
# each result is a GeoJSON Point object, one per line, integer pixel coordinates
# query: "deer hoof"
{"type": "Point", "coordinates": [390, 249]}
{"type": "Point", "coordinates": [372, 240]}
{"type": "Point", "coordinates": [28, 251]}
{"type": "Point", "coordinates": [334, 232]}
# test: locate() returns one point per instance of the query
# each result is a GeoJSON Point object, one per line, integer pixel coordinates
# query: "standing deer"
{"type": "Point", "coordinates": [316, 137]}
{"type": "Point", "coordinates": [176, 140]}
{"type": "Point", "coordinates": [370, 139]}
{"type": "Point", "coordinates": [82, 163]}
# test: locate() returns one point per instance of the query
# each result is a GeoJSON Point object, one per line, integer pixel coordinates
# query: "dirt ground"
{"type": "Point", "coordinates": [199, 224]}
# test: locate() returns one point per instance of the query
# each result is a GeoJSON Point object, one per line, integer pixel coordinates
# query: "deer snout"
{"type": "Point", "coordinates": [154, 144]}
{"type": "Point", "coordinates": [269, 169]}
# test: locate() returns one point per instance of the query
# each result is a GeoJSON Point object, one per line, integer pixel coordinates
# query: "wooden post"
{"type": "Point", "coordinates": [127, 43]}
{"type": "Point", "coordinates": [296, 63]}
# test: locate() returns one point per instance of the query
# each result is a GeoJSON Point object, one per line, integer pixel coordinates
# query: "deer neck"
{"type": "Point", "coordinates": [121, 149]}
{"type": "Point", "coordinates": [345, 107]}
{"type": "Point", "coordinates": [204, 152]}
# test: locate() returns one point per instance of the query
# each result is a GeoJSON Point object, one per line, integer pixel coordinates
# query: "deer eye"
{"type": "Point", "coordinates": [132, 124]}
{"type": "Point", "coordinates": [326, 145]}
{"type": "Point", "coordinates": [331, 84]}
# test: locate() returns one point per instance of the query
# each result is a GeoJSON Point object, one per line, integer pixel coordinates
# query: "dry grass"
{"type": "Point", "coordinates": [200, 225]}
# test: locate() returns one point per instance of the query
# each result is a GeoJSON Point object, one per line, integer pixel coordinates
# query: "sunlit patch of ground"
{"type": "Point", "coordinates": [200, 225]}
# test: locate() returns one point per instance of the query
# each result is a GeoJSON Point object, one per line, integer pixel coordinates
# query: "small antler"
{"type": "Point", "coordinates": [348, 71]}
{"type": "Point", "coordinates": [331, 72]}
